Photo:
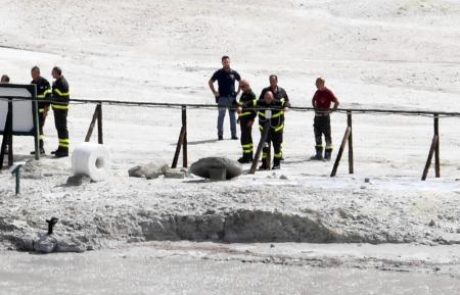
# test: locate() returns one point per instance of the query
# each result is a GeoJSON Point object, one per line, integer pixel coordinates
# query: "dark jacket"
{"type": "Point", "coordinates": [246, 100]}
{"type": "Point", "coordinates": [280, 94]}
{"type": "Point", "coordinates": [43, 92]}
{"type": "Point", "coordinates": [61, 94]}
{"type": "Point", "coordinates": [277, 113]}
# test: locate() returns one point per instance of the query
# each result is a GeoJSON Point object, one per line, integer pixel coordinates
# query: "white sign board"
{"type": "Point", "coordinates": [24, 108]}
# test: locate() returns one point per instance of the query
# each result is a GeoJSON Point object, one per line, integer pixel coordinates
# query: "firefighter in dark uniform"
{"type": "Point", "coordinates": [321, 101]}
{"type": "Point", "coordinates": [274, 115]}
{"type": "Point", "coordinates": [44, 96]}
{"type": "Point", "coordinates": [280, 95]}
{"type": "Point", "coordinates": [60, 106]}
{"type": "Point", "coordinates": [246, 118]}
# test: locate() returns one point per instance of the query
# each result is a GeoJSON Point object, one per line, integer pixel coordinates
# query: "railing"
{"type": "Point", "coordinates": [346, 141]}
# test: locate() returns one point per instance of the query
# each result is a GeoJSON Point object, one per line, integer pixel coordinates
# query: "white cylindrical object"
{"type": "Point", "coordinates": [92, 160]}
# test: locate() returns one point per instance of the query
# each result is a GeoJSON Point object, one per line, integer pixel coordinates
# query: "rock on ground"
{"type": "Point", "coordinates": [149, 171]}
{"type": "Point", "coordinates": [43, 243]}
{"type": "Point", "coordinates": [216, 168]}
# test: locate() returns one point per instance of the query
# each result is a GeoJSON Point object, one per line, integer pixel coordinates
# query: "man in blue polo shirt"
{"type": "Point", "coordinates": [225, 96]}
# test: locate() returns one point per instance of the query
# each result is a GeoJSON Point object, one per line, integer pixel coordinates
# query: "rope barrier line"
{"type": "Point", "coordinates": [215, 106]}
{"type": "Point", "coordinates": [182, 141]}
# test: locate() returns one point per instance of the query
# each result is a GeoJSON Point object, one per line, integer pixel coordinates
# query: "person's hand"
{"type": "Point", "coordinates": [239, 110]}
{"type": "Point", "coordinates": [45, 112]}
{"type": "Point", "coordinates": [250, 123]}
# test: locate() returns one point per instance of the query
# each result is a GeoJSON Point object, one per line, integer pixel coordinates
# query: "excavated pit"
{"type": "Point", "coordinates": [245, 226]}
{"type": "Point", "coordinates": [239, 226]}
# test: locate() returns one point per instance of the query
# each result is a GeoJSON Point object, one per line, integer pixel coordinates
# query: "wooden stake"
{"type": "Point", "coordinates": [184, 141]}
{"type": "Point", "coordinates": [100, 135]}
{"type": "Point", "coordinates": [339, 155]}
{"type": "Point", "coordinates": [7, 135]}
{"type": "Point", "coordinates": [436, 151]}
{"type": "Point", "coordinates": [351, 168]}
{"type": "Point", "coordinates": [36, 124]}
{"type": "Point", "coordinates": [92, 124]}
{"type": "Point", "coordinates": [434, 142]}
{"type": "Point", "coordinates": [10, 134]}
{"type": "Point", "coordinates": [263, 138]}
{"type": "Point", "coordinates": [180, 142]}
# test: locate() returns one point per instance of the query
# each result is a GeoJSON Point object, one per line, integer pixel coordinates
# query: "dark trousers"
{"type": "Point", "coordinates": [246, 137]}
{"type": "Point", "coordinates": [41, 124]}
{"type": "Point", "coordinates": [322, 125]}
{"type": "Point", "coordinates": [60, 121]}
{"type": "Point", "coordinates": [276, 139]}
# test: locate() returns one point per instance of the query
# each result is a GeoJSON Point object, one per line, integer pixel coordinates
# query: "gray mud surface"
{"type": "Point", "coordinates": [207, 268]}
{"type": "Point", "coordinates": [126, 209]}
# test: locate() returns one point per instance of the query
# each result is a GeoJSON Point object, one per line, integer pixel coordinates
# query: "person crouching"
{"type": "Point", "coordinates": [271, 113]}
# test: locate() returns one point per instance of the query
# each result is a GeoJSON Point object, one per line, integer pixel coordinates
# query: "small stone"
{"type": "Point", "coordinates": [77, 180]}
{"type": "Point", "coordinates": [149, 171]}
{"type": "Point", "coordinates": [152, 171]}
{"type": "Point", "coordinates": [283, 177]}
{"type": "Point", "coordinates": [174, 173]}
{"type": "Point", "coordinates": [367, 180]}
{"type": "Point", "coordinates": [45, 244]}
{"type": "Point", "coordinates": [135, 171]}
{"type": "Point", "coordinates": [342, 213]}
{"type": "Point", "coordinates": [432, 223]}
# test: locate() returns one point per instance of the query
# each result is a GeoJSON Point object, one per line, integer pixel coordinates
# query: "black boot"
{"type": "Point", "coordinates": [276, 164]}
{"type": "Point", "coordinates": [264, 165]}
{"type": "Point", "coordinates": [246, 158]}
{"type": "Point", "coordinates": [61, 153]}
{"type": "Point", "coordinates": [327, 154]}
{"type": "Point", "coordinates": [319, 154]}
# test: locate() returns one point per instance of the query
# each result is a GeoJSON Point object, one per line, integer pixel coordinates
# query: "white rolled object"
{"type": "Point", "coordinates": [92, 160]}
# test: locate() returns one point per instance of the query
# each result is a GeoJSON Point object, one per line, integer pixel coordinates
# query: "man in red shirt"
{"type": "Point", "coordinates": [322, 101]}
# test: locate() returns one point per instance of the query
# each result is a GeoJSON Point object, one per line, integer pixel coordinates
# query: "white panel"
{"type": "Point", "coordinates": [22, 110]}
{"type": "Point", "coordinates": [3, 112]}
{"type": "Point", "coordinates": [23, 120]}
